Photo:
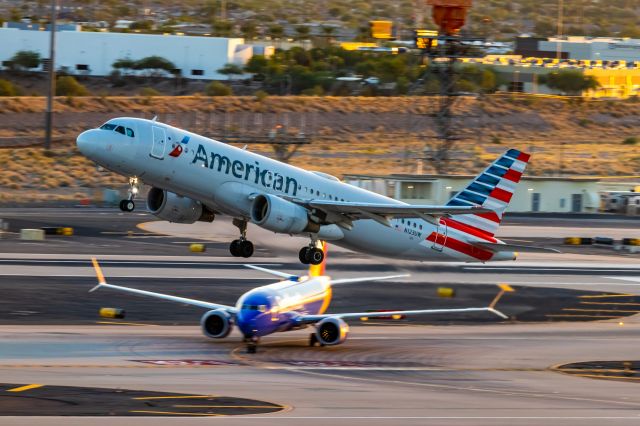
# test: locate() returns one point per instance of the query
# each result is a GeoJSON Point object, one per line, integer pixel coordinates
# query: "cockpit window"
{"type": "Point", "coordinates": [261, 308]}
{"type": "Point", "coordinates": [129, 132]}
{"type": "Point", "coordinates": [120, 129]}
{"type": "Point", "coordinates": [108, 126]}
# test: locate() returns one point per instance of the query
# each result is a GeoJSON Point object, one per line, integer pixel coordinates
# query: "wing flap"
{"type": "Point", "coordinates": [352, 315]}
{"type": "Point", "coordinates": [365, 210]}
{"type": "Point", "coordinates": [495, 247]}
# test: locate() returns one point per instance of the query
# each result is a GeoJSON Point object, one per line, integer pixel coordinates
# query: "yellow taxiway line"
{"type": "Point", "coordinates": [176, 413]}
{"type": "Point", "coordinates": [24, 388]}
{"type": "Point", "coordinates": [174, 397]}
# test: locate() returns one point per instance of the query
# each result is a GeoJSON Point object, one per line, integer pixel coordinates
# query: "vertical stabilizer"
{"type": "Point", "coordinates": [493, 188]}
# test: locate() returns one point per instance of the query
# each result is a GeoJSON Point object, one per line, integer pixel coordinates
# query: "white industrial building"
{"type": "Point", "coordinates": [93, 53]}
{"type": "Point", "coordinates": [533, 194]}
{"type": "Point", "coordinates": [580, 48]}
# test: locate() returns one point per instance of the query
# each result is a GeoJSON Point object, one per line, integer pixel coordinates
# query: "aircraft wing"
{"type": "Point", "coordinates": [352, 315]}
{"type": "Point", "coordinates": [383, 212]}
{"type": "Point", "coordinates": [207, 305]}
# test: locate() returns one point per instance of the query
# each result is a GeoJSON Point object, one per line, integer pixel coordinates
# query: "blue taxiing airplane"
{"type": "Point", "coordinates": [295, 302]}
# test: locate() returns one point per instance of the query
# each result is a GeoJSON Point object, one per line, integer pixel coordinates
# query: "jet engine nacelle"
{"type": "Point", "coordinates": [332, 331]}
{"type": "Point", "coordinates": [279, 215]}
{"type": "Point", "coordinates": [216, 324]}
{"type": "Point", "coordinates": [176, 208]}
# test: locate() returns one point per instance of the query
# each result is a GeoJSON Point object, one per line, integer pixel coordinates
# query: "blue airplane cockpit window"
{"type": "Point", "coordinates": [120, 129]}
{"type": "Point", "coordinates": [261, 308]}
{"type": "Point", "coordinates": [107, 126]}
{"type": "Point", "coordinates": [129, 132]}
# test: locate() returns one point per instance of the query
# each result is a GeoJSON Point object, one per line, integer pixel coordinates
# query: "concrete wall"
{"type": "Point", "coordinates": [99, 50]}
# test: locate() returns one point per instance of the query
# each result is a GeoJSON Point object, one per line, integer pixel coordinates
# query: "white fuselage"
{"type": "Point", "coordinates": [225, 179]}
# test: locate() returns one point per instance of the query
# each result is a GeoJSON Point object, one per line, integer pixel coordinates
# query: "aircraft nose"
{"type": "Point", "coordinates": [86, 142]}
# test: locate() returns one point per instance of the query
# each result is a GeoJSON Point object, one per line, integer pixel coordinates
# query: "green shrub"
{"type": "Point", "coordinates": [316, 90]}
{"type": "Point", "coordinates": [261, 95]}
{"type": "Point", "coordinates": [69, 86]}
{"type": "Point", "coordinates": [149, 91]}
{"type": "Point", "coordinates": [630, 141]}
{"type": "Point", "coordinates": [496, 140]}
{"type": "Point", "coordinates": [215, 88]}
{"type": "Point", "coordinates": [7, 88]}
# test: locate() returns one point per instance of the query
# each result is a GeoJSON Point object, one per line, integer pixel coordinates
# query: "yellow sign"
{"type": "Point", "coordinates": [426, 39]}
{"type": "Point", "coordinates": [381, 29]}
{"type": "Point", "coordinates": [354, 45]}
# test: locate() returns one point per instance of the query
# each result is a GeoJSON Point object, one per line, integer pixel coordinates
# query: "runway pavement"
{"type": "Point", "coordinates": [480, 370]}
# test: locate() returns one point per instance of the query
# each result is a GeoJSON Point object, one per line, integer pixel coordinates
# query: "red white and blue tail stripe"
{"type": "Point", "coordinates": [493, 189]}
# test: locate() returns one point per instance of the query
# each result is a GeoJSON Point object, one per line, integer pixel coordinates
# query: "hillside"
{"type": "Point", "coordinates": [349, 135]}
{"type": "Point", "coordinates": [278, 18]}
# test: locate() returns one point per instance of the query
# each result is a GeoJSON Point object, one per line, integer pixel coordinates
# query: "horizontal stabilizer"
{"type": "Point", "coordinates": [274, 273]}
{"type": "Point", "coordinates": [495, 247]}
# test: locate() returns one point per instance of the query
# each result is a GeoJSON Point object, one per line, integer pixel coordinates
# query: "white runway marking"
{"type": "Point", "coordinates": [632, 279]}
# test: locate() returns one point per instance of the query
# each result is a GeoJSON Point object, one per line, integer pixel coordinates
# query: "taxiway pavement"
{"type": "Point", "coordinates": [475, 373]}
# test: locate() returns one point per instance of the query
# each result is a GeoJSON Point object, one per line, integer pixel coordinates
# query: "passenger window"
{"type": "Point", "coordinates": [130, 132]}
{"type": "Point", "coordinates": [120, 129]}
{"type": "Point", "coordinates": [108, 126]}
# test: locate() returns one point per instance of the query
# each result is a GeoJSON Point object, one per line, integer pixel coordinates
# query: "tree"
{"type": "Point", "coordinates": [222, 28]}
{"type": "Point", "coordinates": [154, 65]}
{"type": "Point", "coordinates": [142, 25]}
{"type": "Point", "coordinates": [257, 64]}
{"type": "Point", "coordinates": [25, 60]}
{"type": "Point", "coordinates": [249, 30]}
{"type": "Point", "coordinates": [7, 88]}
{"type": "Point", "coordinates": [69, 86]}
{"type": "Point", "coordinates": [124, 64]}
{"type": "Point", "coordinates": [302, 32]}
{"type": "Point", "coordinates": [275, 31]}
{"type": "Point", "coordinates": [327, 31]}
{"type": "Point", "coordinates": [544, 29]}
{"type": "Point", "coordinates": [215, 88]}
{"type": "Point", "coordinates": [230, 70]}
{"type": "Point", "coordinates": [572, 82]}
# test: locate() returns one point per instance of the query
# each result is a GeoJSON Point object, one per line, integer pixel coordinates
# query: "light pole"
{"type": "Point", "coordinates": [560, 18]}
{"type": "Point", "coordinates": [52, 75]}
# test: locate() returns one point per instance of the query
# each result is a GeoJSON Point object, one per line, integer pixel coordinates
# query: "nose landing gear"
{"type": "Point", "coordinates": [128, 205]}
{"type": "Point", "coordinates": [252, 344]}
{"type": "Point", "coordinates": [241, 247]}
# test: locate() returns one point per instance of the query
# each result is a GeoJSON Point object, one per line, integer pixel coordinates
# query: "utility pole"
{"type": "Point", "coordinates": [560, 19]}
{"type": "Point", "coordinates": [52, 75]}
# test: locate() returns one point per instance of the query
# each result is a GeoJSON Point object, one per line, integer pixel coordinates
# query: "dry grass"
{"type": "Point", "coordinates": [582, 137]}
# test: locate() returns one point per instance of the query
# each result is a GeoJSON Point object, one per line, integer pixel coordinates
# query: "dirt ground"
{"type": "Point", "coordinates": [347, 134]}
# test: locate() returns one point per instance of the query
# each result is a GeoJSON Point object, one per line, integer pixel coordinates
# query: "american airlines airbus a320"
{"type": "Point", "coordinates": [193, 178]}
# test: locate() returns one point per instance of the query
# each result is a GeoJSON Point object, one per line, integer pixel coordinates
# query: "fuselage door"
{"type": "Point", "coordinates": [159, 141]}
{"type": "Point", "coordinates": [441, 236]}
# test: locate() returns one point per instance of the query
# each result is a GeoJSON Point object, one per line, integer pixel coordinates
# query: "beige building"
{"type": "Point", "coordinates": [534, 194]}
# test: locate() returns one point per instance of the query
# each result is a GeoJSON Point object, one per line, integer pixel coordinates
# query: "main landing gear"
{"type": "Point", "coordinates": [128, 205]}
{"type": "Point", "coordinates": [252, 344]}
{"type": "Point", "coordinates": [313, 340]}
{"type": "Point", "coordinates": [311, 255]}
{"type": "Point", "coordinates": [241, 247]}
